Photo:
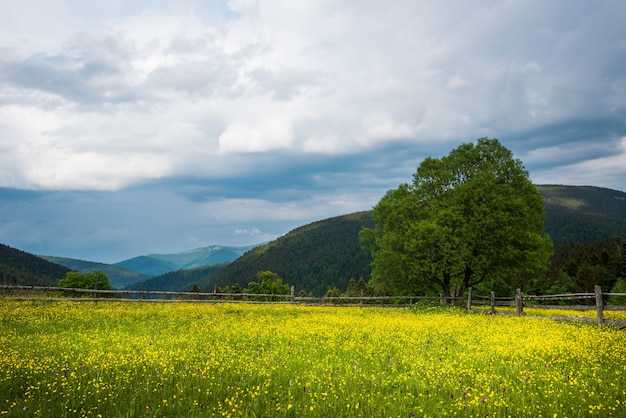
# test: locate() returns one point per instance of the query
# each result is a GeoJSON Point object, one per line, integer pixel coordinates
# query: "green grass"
{"type": "Point", "coordinates": [116, 359]}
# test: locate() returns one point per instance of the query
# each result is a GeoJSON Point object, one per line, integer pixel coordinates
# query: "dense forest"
{"type": "Point", "coordinates": [22, 268]}
{"type": "Point", "coordinates": [181, 280]}
{"type": "Point", "coordinates": [583, 214]}
{"type": "Point", "coordinates": [579, 267]}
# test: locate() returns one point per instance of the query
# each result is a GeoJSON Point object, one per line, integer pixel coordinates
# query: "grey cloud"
{"type": "Point", "coordinates": [209, 77]}
{"type": "Point", "coordinates": [368, 89]}
{"type": "Point", "coordinates": [91, 70]}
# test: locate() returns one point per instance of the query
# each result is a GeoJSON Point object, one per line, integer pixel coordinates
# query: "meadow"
{"type": "Point", "coordinates": [154, 359]}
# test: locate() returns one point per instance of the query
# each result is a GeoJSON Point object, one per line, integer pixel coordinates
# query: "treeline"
{"type": "Point", "coordinates": [579, 267]}
{"type": "Point", "coordinates": [574, 268]}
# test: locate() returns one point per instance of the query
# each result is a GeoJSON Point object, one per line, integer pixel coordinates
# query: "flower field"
{"type": "Point", "coordinates": [115, 359]}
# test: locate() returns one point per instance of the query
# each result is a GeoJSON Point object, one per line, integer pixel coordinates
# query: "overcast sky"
{"type": "Point", "coordinates": [158, 126]}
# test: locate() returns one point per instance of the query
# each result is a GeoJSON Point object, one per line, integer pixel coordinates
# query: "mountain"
{"type": "Point", "coordinates": [180, 280]}
{"type": "Point", "coordinates": [119, 277]}
{"type": "Point", "coordinates": [324, 254]}
{"type": "Point", "coordinates": [583, 214]}
{"type": "Point", "coordinates": [147, 264]}
{"type": "Point", "coordinates": [312, 257]}
{"type": "Point", "coordinates": [158, 264]}
{"type": "Point", "coordinates": [22, 268]}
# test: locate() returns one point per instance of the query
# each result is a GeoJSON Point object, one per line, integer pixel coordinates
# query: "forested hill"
{"type": "Point", "coordinates": [583, 214]}
{"type": "Point", "coordinates": [118, 277]}
{"type": "Point", "coordinates": [22, 268]}
{"type": "Point", "coordinates": [180, 280]}
{"type": "Point", "coordinates": [312, 257]}
{"type": "Point", "coordinates": [327, 253]}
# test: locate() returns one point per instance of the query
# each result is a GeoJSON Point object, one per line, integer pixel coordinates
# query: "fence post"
{"type": "Point", "coordinates": [599, 305]}
{"type": "Point", "coordinates": [469, 299]}
{"type": "Point", "coordinates": [361, 300]}
{"type": "Point", "coordinates": [519, 307]}
{"type": "Point", "coordinates": [293, 294]}
{"type": "Point", "coordinates": [493, 302]}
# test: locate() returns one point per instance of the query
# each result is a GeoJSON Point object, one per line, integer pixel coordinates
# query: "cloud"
{"type": "Point", "coordinates": [272, 134]}
{"type": "Point", "coordinates": [259, 114]}
{"type": "Point", "coordinates": [595, 168]}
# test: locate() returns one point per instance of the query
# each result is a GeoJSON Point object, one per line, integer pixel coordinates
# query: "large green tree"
{"type": "Point", "coordinates": [470, 217]}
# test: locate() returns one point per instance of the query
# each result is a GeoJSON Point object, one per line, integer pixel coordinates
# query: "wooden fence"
{"type": "Point", "coordinates": [472, 302]}
{"type": "Point", "coordinates": [519, 302]}
{"type": "Point", "coordinates": [51, 293]}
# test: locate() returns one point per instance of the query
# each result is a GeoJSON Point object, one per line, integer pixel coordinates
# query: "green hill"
{"type": "Point", "coordinates": [312, 257]}
{"type": "Point", "coordinates": [22, 268]}
{"type": "Point", "coordinates": [583, 214]}
{"type": "Point", "coordinates": [178, 281]}
{"type": "Point", "coordinates": [119, 277]}
{"type": "Point", "coordinates": [324, 254]}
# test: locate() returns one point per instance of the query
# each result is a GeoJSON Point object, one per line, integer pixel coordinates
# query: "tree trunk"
{"type": "Point", "coordinates": [446, 287]}
{"type": "Point", "coordinates": [467, 276]}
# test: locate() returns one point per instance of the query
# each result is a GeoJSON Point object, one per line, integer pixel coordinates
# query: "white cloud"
{"type": "Point", "coordinates": [608, 171]}
{"type": "Point", "coordinates": [319, 105]}
{"type": "Point", "coordinates": [272, 134]}
{"type": "Point", "coordinates": [181, 86]}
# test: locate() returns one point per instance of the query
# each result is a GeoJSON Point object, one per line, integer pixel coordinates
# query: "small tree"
{"type": "Point", "coordinates": [352, 289]}
{"type": "Point", "coordinates": [619, 287]}
{"type": "Point", "coordinates": [89, 280]}
{"type": "Point", "coordinates": [333, 292]}
{"type": "Point", "coordinates": [270, 284]}
{"type": "Point", "coordinates": [195, 289]}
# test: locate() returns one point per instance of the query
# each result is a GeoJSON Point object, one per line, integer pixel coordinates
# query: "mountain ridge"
{"type": "Point", "coordinates": [157, 264]}
{"type": "Point", "coordinates": [119, 277]}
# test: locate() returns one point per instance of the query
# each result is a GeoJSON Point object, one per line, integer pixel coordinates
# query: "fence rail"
{"type": "Point", "coordinates": [518, 302]}
{"type": "Point", "coordinates": [54, 294]}
{"type": "Point", "coordinates": [473, 302]}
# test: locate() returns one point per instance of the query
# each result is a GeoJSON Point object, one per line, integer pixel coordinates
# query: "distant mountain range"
{"type": "Point", "coordinates": [127, 273]}
{"type": "Point", "coordinates": [119, 277]}
{"type": "Point", "coordinates": [312, 257]}
{"type": "Point", "coordinates": [157, 264]}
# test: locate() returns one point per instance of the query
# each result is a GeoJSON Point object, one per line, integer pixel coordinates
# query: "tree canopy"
{"type": "Point", "coordinates": [470, 217]}
{"type": "Point", "coordinates": [89, 280]}
{"type": "Point", "coordinates": [270, 284]}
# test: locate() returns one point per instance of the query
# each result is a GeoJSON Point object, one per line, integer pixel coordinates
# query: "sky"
{"type": "Point", "coordinates": [130, 128]}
